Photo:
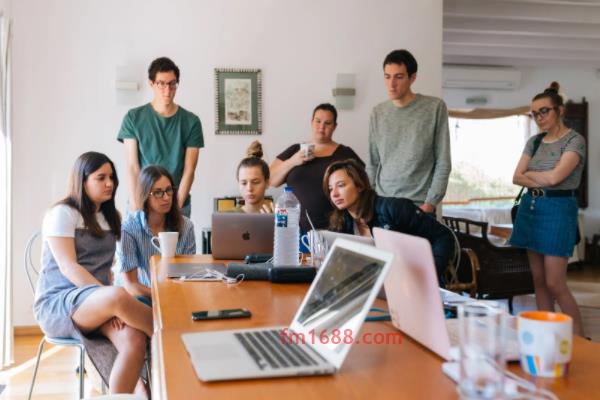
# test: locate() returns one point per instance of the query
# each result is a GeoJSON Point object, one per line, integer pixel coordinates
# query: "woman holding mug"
{"type": "Point", "coordinates": [302, 166]}
{"type": "Point", "coordinates": [74, 297]}
{"type": "Point", "coordinates": [160, 213]}
{"type": "Point", "coordinates": [358, 209]}
{"type": "Point", "coordinates": [253, 180]}
{"type": "Point", "coordinates": [546, 221]}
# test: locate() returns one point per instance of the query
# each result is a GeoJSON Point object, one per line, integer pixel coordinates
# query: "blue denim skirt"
{"type": "Point", "coordinates": [546, 225]}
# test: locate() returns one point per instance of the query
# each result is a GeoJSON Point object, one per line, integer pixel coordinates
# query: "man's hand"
{"type": "Point", "coordinates": [428, 208]}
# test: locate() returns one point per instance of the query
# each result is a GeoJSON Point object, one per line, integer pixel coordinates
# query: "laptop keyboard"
{"type": "Point", "coordinates": [271, 349]}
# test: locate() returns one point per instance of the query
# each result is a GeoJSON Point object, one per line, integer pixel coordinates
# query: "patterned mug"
{"type": "Point", "coordinates": [545, 343]}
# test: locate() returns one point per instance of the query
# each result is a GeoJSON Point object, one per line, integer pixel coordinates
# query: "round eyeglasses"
{"type": "Point", "coordinates": [542, 112]}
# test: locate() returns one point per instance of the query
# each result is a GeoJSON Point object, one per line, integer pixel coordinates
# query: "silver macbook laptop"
{"type": "Point", "coordinates": [337, 301]}
{"type": "Point", "coordinates": [414, 298]}
{"type": "Point", "coordinates": [234, 235]}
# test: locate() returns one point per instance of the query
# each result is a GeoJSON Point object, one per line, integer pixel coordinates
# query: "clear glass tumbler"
{"type": "Point", "coordinates": [482, 333]}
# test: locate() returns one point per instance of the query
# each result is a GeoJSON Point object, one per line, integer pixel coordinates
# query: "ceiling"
{"type": "Point", "coordinates": [522, 32]}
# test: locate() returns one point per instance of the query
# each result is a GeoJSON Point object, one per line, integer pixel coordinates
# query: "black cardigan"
{"type": "Point", "coordinates": [402, 215]}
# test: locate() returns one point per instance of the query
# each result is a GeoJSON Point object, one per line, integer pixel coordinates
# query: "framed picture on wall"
{"type": "Point", "coordinates": [238, 101]}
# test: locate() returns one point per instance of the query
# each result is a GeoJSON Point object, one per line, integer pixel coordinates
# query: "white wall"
{"type": "Point", "coordinates": [575, 83]}
{"type": "Point", "coordinates": [66, 54]}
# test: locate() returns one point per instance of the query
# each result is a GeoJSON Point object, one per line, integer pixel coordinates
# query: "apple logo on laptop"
{"type": "Point", "coordinates": [246, 235]}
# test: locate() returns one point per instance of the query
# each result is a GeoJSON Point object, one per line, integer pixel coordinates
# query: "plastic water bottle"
{"type": "Point", "coordinates": [287, 229]}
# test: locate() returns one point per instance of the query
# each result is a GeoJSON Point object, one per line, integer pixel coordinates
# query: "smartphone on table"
{"type": "Point", "coordinates": [221, 314]}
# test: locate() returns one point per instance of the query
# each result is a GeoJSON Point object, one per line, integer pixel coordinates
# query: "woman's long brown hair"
{"type": "Point", "coordinates": [148, 177]}
{"type": "Point", "coordinates": [366, 196]}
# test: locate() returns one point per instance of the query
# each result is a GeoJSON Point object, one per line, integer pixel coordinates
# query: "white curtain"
{"type": "Point", "coordinates": [6, 328]}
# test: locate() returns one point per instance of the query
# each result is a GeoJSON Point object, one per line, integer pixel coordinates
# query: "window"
{"type": "Point", "coordinates": [485, 153]}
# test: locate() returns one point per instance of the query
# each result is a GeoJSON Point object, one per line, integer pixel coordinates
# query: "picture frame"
{"type": "Point", "coordinates": [238, 101]}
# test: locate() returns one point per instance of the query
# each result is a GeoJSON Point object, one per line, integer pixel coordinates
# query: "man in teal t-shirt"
{"type": "Point", "coordinates": [163, 133]}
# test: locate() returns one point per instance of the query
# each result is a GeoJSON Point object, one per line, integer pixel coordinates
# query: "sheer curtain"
{"type": "Point", "coordinates": [6, 328]}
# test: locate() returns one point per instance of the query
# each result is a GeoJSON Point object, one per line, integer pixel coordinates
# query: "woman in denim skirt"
{"type": "Point", "coordinates": [546, 223]}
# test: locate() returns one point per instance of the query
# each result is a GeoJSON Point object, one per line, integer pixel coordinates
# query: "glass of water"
{"type": "Point", "coordinates": [482, 333]}
{"type": "Point", "coordinates": [318, 249]}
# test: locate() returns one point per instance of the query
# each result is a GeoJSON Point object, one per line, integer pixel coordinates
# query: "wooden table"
{"type": "Point", "coordinates": [375, 371]}
{"type": "Point", "coordinates": [502, 230]}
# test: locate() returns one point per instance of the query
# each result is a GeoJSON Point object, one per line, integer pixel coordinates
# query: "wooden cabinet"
{"type": "Point", "coordinates": [576, 117]}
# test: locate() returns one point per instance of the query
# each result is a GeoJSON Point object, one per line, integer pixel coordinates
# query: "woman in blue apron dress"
{"type": "Point", "coordinates": [546, 222]}
{"type": "Point", "coordinates": [73, 296]}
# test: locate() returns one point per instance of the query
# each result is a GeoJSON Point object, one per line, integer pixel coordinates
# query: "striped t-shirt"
{"type": "Point", "coordinates": [135, 249]}
{"type": "Point", "coordinates": [548, 155]}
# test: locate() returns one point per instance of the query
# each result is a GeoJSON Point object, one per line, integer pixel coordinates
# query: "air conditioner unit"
{"type": "Point", "coordinates": [493, 78]}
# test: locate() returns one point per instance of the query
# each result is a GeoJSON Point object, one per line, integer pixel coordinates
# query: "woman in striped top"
{"type": "Point", "coordinates": [160, 213]}
{"type": "Point", "coordinates": [546, 223]}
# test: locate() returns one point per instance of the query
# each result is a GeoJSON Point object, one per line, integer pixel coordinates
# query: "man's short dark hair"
{"type": "Point", "coordinates": [162, 64]}
{"type": "Point", "coordinates": [402, 57]}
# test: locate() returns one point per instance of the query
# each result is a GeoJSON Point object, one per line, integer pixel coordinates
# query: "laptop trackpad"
{"type": "Point", "coordinates": [219, 351]}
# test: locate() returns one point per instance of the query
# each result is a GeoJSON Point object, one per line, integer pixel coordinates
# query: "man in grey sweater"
{"type": "Point", "coordinates": [409, 141]}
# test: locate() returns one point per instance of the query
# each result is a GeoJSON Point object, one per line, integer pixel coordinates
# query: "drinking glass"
{"type": "Point", "coordinates": [482, 333]}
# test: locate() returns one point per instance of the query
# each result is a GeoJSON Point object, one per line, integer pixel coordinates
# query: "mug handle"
{"type": "Point", "coordinates": [305, 243]}
{"type": "Point", "coordinates": [157, 247]}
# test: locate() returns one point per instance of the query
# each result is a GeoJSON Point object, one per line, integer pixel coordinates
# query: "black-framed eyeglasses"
{"type": "Point", "coordinates": [159, 193]}
{"type": "Point", "coordinates": [170, 85]}
{"type": "Point", "coordinates": [542, 112]}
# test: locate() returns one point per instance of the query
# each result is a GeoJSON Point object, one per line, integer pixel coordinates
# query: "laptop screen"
{"type": "Point", "coordinates": [335, 308]}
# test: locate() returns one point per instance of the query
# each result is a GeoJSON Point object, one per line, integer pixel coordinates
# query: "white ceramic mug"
{"type": "Point", "coordinates": [308, 149]}
{"type": "Point", "coordinates": [545, 343]}
{"type": "Point", "coordinates": [167, 243]}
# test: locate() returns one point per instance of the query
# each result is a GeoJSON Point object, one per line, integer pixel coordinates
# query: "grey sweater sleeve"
{"type": "Point", "coordinates": [442, 161]}
{"type": "Point", "coordinates": [373, 161]}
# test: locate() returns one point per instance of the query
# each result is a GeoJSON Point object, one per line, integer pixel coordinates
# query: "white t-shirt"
{"type": "Point", "coordinates": [62, 221]}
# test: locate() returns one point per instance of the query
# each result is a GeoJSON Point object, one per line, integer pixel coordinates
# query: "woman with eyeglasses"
{"type": "Point", "coordinates": [546, 221]}
{"type": "Point", "coordinates": [74, 297]}
{"type": "Point", "coordinates": [159, 213]}
{"type": "Point", "coordinates": [253, 180]}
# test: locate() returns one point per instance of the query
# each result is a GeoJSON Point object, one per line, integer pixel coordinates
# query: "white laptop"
{"type": "Point", "coordinates": [414, 298]}
{"type": "Point", "coordinates": [235, 235]}
{"type": "Point", "coordinates": [338, 299]}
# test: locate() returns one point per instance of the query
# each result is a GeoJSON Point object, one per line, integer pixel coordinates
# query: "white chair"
{"type": "Point", "coordinates": [32, 274]}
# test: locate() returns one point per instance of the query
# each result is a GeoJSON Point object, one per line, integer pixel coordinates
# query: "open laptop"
{"type": "Point", "coordinates": [414, 298]}
{"type": "Point", "coordinates": [337, 301]}
{"type": "Point", "coordinates": [331, 236]}
{"type": "Point", "coordinates": [234, 235]}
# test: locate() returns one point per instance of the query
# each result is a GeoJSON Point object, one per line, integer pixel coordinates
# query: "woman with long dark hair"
{"type": "Point", "coordinates": [73, 296]}
{"type": "Point", "coordinates": [546, 222]}
{"type": "Point", "coordinates": [358, 209]}
{"type": "Point", "coordinates": [160, 213]}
